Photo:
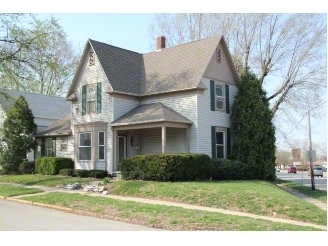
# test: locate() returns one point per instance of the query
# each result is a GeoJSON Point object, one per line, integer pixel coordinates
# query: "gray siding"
{"type": "Point", "coordinates": [151, 141]}
{"type": "Point", "coordinates": [220, 71]}
{"type": "Point", "coordinates": [208, 118]}
{"type": "Point", "coordinates": [121, 106]}
{"type": "Point", "coordinates": [185, 104]}
{"type": "Point", "coordinates": [175, 140]}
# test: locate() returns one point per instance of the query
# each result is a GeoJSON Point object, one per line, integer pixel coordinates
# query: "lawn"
{"type": "Point", "coordinates": [9, 190]}
{"type": "Point", "coordinates": [257, 197]}
{"type": "Point", "coordinates": [160, 216]}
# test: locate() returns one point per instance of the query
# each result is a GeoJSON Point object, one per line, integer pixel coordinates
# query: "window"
{"type": "Point", "coordinates": [91, 98]}
{"type": "Point", "coordinates": [218, 55]}
{"type": "Point", "coordinates": [63, 144]}
{"type": "Point", "coordinates": [85, 146]}
{"type": "Point", "coordinates": [101, 146]}
{"type": "Point", "coordinates": [92, 58]}
{"type": "Point", "coordinates": [48, 151]}
{"type": "Point", "coordinates": [219, 140]}
{"type": "Point", "coordinates": [219, 97]}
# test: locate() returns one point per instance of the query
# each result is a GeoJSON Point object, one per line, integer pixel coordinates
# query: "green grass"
{"type": "Point", "coordinates": [317, 194]}
{"type": "Point", "coordinates": [45, 180]}
{"type": "Point", "coordinates": [159, 216]}
{"type": "Point", "coordinates": [257, 197]}
{"type": "Point", "coordinates": [9, 190]}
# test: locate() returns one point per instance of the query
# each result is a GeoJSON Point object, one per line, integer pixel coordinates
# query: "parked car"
{"type": "Point", "coordinates": [324, 168]}
{"type": "Point", "coordinates": [277, 169]}
{"type": "Point", "coordinates": [292, 169]}
{"type": "Point", "coordinates": [317, 171]}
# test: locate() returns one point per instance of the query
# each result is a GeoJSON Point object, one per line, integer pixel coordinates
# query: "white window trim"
{"type": "Point", "coordinates": [65, 143]}
{"type": "Point", "coordinates": [47, 149]}
{"type": "Point", "coordinates": [224, 141]}
{"type": "Point", "coordinates": [101, 145]}
{"type": "Point", "coordinates": [88, 100]}
{"type": "Point", "coordinates": [78, 154]}
{"type": "Point", "coordinates": [220, 97]}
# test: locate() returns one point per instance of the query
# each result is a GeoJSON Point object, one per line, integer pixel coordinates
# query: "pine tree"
{"type": "Point", "coordinates": [252, 130]}
{"type": "Point", "coordinates": [17, 134]}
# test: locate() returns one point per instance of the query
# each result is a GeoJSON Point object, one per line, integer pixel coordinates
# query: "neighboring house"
{"type": "Point", "coordinates": [46, 109]}
{"type": "Point", "coordinates": [172, 100]}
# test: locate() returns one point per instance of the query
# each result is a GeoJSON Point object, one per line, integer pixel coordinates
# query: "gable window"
{"type": "Point", "coordinates": [63, 144]}
{"type": "Point", "coordinates": [219, 97]}
{"type": "Point", "coordinates": [85, 146]}
{"type": "Point", "coordinates": [92, 58]}
{"type": "Point", "coordinates": [101, 146]}
{"type": "Point", "coordinates": [91, 98]}
{"type": "Point", "coordinates": [218, 55]}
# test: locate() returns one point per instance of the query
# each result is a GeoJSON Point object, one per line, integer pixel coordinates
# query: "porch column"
{"type": "Point", "coordinates": [187, 140]}
{"type": "Point", "coordinates": [163, 139]}
{"type": "Point", "coordinates": [115, 150]}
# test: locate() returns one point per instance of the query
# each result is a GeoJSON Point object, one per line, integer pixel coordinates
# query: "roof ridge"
{"type": "Point", "coordinates": [28, 92]}
{"type": "Point", "coordinates": [114, 46]}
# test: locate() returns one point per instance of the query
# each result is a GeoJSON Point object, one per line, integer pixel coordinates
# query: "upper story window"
{"type": "Point", "coordinates": [218, 55]}
{"type": "Point", "coordinates": [219, 97]}
{"type": "Point", "coordinates": [92, 58]}
{"type": "Point", "coordinates": [91, 98]}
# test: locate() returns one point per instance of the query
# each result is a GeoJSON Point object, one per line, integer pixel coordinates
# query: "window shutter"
{"type": "Point", "coordinates": [43, 146]}
{"type": "Point", "coordinates": [213, 138]}
{"type": "Point", "coordinates": [99, 97]}
{"type": "Point", "coordinates": [228, 143]}
{"type": "Point", "coordinates": [53, 147]}
{"type": "Point", "coordinates": [227, 99]}
{"type": "Point", "coordinates": [212, 95]}
{"type": "Point", "coordinates": [84, 99]}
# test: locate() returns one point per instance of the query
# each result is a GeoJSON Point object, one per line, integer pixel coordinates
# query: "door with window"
{"type": "Point", "coordinates": [121, 150]}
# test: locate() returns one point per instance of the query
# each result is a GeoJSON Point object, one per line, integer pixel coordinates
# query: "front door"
{"type": "Point", "coordinates": [121, 149]}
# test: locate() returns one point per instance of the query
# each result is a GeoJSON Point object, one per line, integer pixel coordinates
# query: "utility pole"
{"type": "Point", "coordinates": [310, 152]}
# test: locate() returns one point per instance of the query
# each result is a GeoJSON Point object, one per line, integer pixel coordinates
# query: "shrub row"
{"type": "Point", "coordinates": [97, 174]}
{"type": "Point", "coordinates": [26, 167]}
{"type": "Point", "coordinates": [52, 165]}
{"type": "Point", "coordinates": [183, 167]}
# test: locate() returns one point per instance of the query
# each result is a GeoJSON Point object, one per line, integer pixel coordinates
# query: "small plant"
{"type": "Point", "coordinates": [105, 181]}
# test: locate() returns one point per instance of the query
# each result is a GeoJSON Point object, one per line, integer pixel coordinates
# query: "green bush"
{"type": "Point", "coordinates": [225, 169]}
{"type": "Point", "coordinates": [167, 167]}
{"type": "Point", "coordinates": [66, 172]}
{"type": "Point", "coordinates": [52, 165]}
{"type": "Point", "coordinates": [81, 173]}
{"type": "Point", "coordinates": [27, 167]}
{"type": "Point", "coordinates": [98, 174]}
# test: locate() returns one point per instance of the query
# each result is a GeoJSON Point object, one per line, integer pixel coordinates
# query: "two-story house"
{"type": "Point", "coordinates": [172, 100]}
{"type": "Point", "coordinates": [46, 110]}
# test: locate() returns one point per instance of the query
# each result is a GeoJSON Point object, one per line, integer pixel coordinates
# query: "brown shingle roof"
{"type": "Point", "coordinates": [61, 127]}
{"type": "Point", "coordinates": [153, 112]}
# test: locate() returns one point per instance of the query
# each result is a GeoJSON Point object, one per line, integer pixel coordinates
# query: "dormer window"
{"type": "Point", "coordinates": [92, 58]}
{"type": "Point", "coordinates": [218, 55]}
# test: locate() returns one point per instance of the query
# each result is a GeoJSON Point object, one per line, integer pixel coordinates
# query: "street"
{"type": "Point", "coordinates": [303, 178]}
{"type": "Point", "coordinates": [17, 216]}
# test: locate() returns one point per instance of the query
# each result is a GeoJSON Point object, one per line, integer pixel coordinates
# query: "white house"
{"type": "Point", "coordinates": [172, 100]}
{"type": "Point", "coordinates": [46, 109]}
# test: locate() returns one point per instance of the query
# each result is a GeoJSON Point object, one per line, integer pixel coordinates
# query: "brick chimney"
{"type": "Point", "coordinates": [160, 42]}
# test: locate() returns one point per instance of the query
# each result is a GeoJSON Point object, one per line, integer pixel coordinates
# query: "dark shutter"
{"type": "Point", "coordinates": [84, 99]}
{"type": "Point", "coordinates": [212, 95]}
{"type": "Point", "coordinates": [43, 146]}
{"type": "Point", "coordinates": [227, 99]}
{"type": "Point", "coordinates": [213, 138]}
{"type": "Point", "coordinates": [53, 152]}
{"type": "Point", "coordinates": [228, 143]}
{"type": "Point", "coordinates": [99, 97]}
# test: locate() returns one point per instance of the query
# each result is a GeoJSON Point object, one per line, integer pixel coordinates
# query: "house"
{"type": "Point", "coordinates": [172, 100]}
{"type": "Point", "coordinates": [46, 109]}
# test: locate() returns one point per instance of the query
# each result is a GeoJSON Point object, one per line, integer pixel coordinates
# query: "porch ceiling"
{"type": "Point", "coordinates": [150, 113]}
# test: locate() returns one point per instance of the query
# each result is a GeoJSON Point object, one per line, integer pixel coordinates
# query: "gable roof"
{"type": "Point", "coordinates": [43, 106]}
{"type": "Point", "coordinates": [153, 112]}
{"type": "Point", "coordinates": [171, 69]}
{"type": "Point", "coordinates": [61, 127]}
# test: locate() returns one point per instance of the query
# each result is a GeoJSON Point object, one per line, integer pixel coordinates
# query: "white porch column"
{"type": "Point", "coordinates": [187, 140]}
{"type": "Point", "coordinates": [115, 150]}
{"type": "Point", "coordinates": [163, 139]}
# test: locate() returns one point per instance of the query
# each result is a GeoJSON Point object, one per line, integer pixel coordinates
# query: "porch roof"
{"type": "Point", "coordinates": [153, 112]}
{"type": "Point", "coordinates": [61, 127]}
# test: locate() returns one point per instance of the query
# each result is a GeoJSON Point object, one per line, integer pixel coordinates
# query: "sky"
{"type": "Point", "coordinates": [125, 24]}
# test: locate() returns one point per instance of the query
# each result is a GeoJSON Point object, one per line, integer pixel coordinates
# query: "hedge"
{"type": "Point", "coordinates": [52, 165]}
{"type": "Point", "coordinates": [225, 169]}
{"type": "Point", "coordinates": [26, 167]}
{"type": "Point", "coordinates": [97, 174]}
{"type": "Point", "coordinates": [167, 167]}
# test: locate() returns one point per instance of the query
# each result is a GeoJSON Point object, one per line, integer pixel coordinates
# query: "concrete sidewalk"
{"type": "Point", "coordinates": [166, 203]}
